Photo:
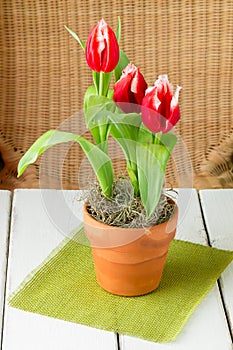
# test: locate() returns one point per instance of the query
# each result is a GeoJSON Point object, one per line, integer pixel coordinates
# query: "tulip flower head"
{"type": "Point", "coordinates": [160, 111]}
{"type": "Point", "coordinates": [102, 49]}
{"type": "Point", "coordinates": [130, 88]}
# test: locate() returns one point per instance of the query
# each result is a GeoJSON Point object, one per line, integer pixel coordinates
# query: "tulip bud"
{"type": "Point", "coordinates": [160, 110]}
{"type": "Point", "coordinates": [130, 88]}
{"type": "Point", "coordinates": [102, 49]}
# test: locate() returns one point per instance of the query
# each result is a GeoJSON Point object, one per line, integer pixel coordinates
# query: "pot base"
{"type": "Point", "coordinates": [129, 279]}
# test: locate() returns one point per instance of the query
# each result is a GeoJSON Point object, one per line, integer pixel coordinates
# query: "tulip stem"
{"type": "Point", "coordinates": [156, 138]}
{"type": "Point", "coordinates": [101, 84]}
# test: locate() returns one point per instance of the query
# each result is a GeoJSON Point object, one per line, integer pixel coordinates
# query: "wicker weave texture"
{"type": "Point", "coordinates": [44, 74]}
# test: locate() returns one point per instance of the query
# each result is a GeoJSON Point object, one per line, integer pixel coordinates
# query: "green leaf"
{"type": "Point", "coordinates": [97, 112]}
{"type": "Point", "coordinates": [151, 161]}
{"type": "Point", "coordinates": [168, 140]}
{"type": "Point", "coordinates": [107, 78]}
{"type": "Point", "coordinates": [124, 128]}
{"type": "Point", "coordinates": [96, 79]}
{"type": "Point", "coordinates": [118, 31]}
{"type": "Point", "coordinates": [145, 135]}
{"type": "Point", "coordinates": [125, 125]}
{"type": "Point", "coordinates": [99, 161]}
{"type": "Point", "coordinates": [123, 62]}
{"type": "Point", "coordinates": [75, 36]}
{"type": "Point", "coordinates": [110, 94]}
{"type": "Point", "coordinates": [91, 91]}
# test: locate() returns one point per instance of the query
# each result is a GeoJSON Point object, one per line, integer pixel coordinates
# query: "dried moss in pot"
{"type": "Point", "coordinates": [124, 210]}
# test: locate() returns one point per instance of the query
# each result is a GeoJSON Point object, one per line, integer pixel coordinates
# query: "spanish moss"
{"type": "Point", "coordinates": [125, 210]}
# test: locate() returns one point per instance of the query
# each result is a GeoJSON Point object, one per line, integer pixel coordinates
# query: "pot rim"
{"type": "Point", "coordinates": [103, 235]}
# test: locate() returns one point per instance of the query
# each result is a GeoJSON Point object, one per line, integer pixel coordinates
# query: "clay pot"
{"type": "Point", "coordinates": [129, 261]}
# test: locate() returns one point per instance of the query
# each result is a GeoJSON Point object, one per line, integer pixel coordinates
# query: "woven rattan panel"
{"type": "Point", "coordinates": [44, 74]}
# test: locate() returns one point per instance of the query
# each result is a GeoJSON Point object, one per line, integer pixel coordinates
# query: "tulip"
{"type": "Point", "coordinates": [102, 49]}
{"type": "Point", "coordinates": [160, 110]}
{"type": "Point", "coordinates": [130, 88]}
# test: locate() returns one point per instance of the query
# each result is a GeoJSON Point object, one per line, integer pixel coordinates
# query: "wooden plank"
{"type": "Point", "coordinates": [218, 213]}
{"type": "Point", "coordinates": [207, 328]}
{"type": "Point", "coordinates": [40, 220]}
{"type": "Point", "coordinates": [5, 205]}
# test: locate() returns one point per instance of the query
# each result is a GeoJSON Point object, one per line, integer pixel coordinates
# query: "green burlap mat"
{"type": "Point", "coordinates": [64, 287]}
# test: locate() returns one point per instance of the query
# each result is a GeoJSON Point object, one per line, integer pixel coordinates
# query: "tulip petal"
{"type": "Point", "coordinates": [176, 96]}
{"type": "Point", "coordinates": [122, 90]}
{"type": "Point", "coordinates": [174, 110]}
{"type": "Point", "coordinates": [174, 117]}
{"type": "Point", "coordinates": [151, 119]}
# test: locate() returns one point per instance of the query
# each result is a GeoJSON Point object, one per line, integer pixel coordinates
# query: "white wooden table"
{"type": "Point", "coordinates": [39, 220]}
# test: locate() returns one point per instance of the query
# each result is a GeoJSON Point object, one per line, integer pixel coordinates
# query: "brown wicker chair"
{"type": "Point", "coordinates": [44, 76]}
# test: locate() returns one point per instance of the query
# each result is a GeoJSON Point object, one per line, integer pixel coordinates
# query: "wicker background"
{"type": "Point", "coordinates": [44, 76]}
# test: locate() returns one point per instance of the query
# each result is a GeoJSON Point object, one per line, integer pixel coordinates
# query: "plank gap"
{"type": "Point", "coordinates": [225, 310]}
{"type": "Point", "coordinates": [118, 341]}
{"type": "Point", "coordinates": [203, 219]}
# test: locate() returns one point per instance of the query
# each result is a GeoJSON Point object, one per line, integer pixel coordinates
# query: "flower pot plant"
{"type": "Point", "coordinates": [129, 220]}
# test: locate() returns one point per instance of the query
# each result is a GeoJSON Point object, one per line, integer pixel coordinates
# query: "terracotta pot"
{"type": "Point", "coordinates": [129, 261]}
